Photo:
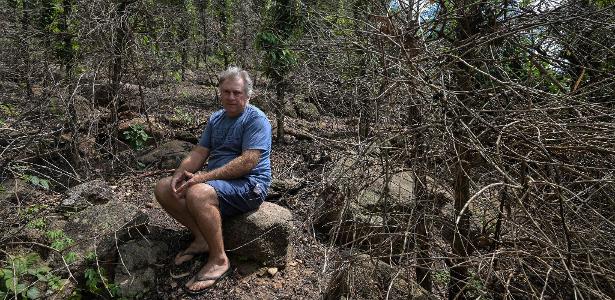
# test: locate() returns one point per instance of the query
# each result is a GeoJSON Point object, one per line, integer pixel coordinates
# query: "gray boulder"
{"type": "Point", "coordinates": [168, 155]}
{"type": "Point", "coordinates": [262, 235]}
{"type": "Point", "coordinates": [366, 199]}
{"type": "Point", "coordinates": [135, 273]}
{"type": "Point", "coordinates": [100, 228]}
{"type": "Point", "coordinates": [307, 110]}
{"type": "Point", "coordinates": [280, 187]}
{"type": "Point", "coordinates": [87, 194]}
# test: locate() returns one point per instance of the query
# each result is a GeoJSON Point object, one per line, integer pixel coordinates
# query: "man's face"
{"type": "Point", "coordinates": [234, 98]}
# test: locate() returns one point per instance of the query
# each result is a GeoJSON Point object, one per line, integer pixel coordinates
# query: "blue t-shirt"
{"type": "Point", "coordinates": [226, 138]}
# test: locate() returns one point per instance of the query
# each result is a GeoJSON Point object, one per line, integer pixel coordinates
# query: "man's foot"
{"type": "Point", "coordinates": [195, 248]}
{"type": "Point", "coordinates": [207, 277]}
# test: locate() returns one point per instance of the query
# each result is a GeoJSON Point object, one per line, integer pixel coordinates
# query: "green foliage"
{"type": "Point", "coordinates": [8, 109]}
{"type": "Point", "coordinates": [442, 276]}
{"type": "Point", "coordinates": [19, 275]}
{"type": "Point", "coordinates": [476, 285]}
{"type": "Point", "coordinates": [136, 136]}
{"type": "Point", "coordinates": [60, 27]}
{"type": "Point", "coordinates": [38, 223]}
{"type": "Point", "coordinates": [70, 257]}
{"type": "Point", "coordinates": [96, 281]}
{"type": "Point", "coordinates": [281, 28]}
{"type": "Point", "coordinates": [343, 26]}
{"type": "Point", "coordinates": [36, 181]}
{"type": "Point", "coordinates": [177, 76]}
{"type": "Point", "coordinates": [90, 256]}
{"type": "Point", "coordinates": [604, 3]}
{"type": "Point", "coordinates": [59, 241]}
{"type": "Point", "coordinates": [181, 116]}
{"type": "Point", "coordinates": [34, 209]}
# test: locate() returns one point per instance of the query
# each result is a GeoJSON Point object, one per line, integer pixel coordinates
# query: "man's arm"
{"type": "Point", "coordinates": [193, 162]}
{"type": "Point", "coordinates": [236, 168]}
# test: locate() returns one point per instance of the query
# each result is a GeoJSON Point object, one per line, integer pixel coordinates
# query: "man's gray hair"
{"type": "Point", "coordinates": [237, 72]}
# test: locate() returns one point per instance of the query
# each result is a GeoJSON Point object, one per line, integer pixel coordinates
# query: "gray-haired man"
{"type": "Point", "coordinates": [236, 145]}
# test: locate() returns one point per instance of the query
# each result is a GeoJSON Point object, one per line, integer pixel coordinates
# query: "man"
{"type": "Point", "coordinates": [237, 142]}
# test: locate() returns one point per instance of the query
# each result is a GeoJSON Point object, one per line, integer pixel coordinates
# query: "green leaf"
{"type": "Point", "coordinates": [70, 257]}
{"type": "Point", "coordinates": [34, 180]}
{"type": "Point", "coordinates": [177, 76]}
{"type": "Point", "coordinates": [44, 184]}
{"type": "Point", "coordinates": [10, 283]}
{"type": "Point", "coordinates": [20, 288]}
{"type": "Point", "coordinates": [33, 293]}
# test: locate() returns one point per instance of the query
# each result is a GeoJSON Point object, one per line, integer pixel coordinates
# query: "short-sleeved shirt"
{"type": "Point", "coordinates": [226, 138]}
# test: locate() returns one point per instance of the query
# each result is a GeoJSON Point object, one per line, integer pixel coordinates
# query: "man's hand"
{"type": "Point", "coordinates": [193, 161]}
{"type": "Point", "coordinates": [191, 179]}
{"type": "Point", "coordinates": [177, 178]}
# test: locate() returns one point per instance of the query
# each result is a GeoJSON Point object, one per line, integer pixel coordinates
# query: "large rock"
{"type": "Point", "coordinates": [280, 187]}
{"type": "Point", "coordinates": [87, 194]}
{"type": "Point", "coordinates": [307, 110]}
{"type": "Point", "coordinates": [365, 277]}
{"type": "Point", "coordinates": [135, 272]}
{"type": "Point", "coordinates": [262, 235]}
{"type": "Point", "coordinates": [366, 201]}
{"type": "Point", "coordinates": [100, 228]}
{"type": "Point", "coordinates": [168, 155]}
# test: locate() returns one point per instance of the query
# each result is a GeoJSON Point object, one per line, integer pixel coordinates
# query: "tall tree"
{"type": "Point", "coordinates": [281, 27]}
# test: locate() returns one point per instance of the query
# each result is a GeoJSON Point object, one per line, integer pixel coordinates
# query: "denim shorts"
{"type": "Point", "coordinates": [238, 196]}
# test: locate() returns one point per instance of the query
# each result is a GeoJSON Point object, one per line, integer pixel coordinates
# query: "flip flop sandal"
{"type": "Point", "coordinates": [185, 268]}
{"type": "Point", "coordinates": [185, 252]}
{"type": "Point", "coordinates": [208, 278]}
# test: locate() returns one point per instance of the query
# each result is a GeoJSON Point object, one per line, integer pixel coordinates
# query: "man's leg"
{"type": "Point", "coordinates": [176, 207]}
{"type": "Point", "coordinates": [202, 203]}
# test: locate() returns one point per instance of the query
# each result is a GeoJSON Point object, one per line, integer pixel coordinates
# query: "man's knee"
{"type": "Point", "coordinates": [201, 195]}
{"type": "Point", "coordinates": [163, 189]}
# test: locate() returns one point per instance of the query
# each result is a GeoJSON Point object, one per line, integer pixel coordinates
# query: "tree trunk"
{"type": "Point", "coordinates": [117, 71]}
{"type": "Point", "coordinates": [280, 90]}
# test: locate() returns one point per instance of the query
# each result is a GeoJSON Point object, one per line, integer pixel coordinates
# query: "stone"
{"type": "Point", "coordinates": [168, 155]}
{"type": "Point", "coordinates": [262, 235]}
{"type": "Point", "coordinates": [364, 200]}
{"type": "Point", "coordinates": [87, 194]}
{"type": "Point", "coordinates": [281, 187]}
{"type": "Point", "coordinates": [289, 110]}
{"type": "Point", "coordinates": [135, 272]}
{"type": "Point", "coordinates": [365, 277]}
{"type": "Point", "coordinates": [284, 185]}
{"type": "Point", "coordinates": [101, 94]}
{"type": "Point", "coordinates": [137, 285]}
{"type": "Point", "coordinates": [370, 202]}
{"type": "Point", "coordinates": [272, 271]}
{"type": "Point", "coordinates": [307, 111]}
{"type": "Point", "coordinates": [100, 228]}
